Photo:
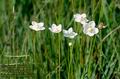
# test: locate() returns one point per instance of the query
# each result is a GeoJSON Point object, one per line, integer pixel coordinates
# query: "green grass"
{"type": "Point", "coordinates": [48, 55]}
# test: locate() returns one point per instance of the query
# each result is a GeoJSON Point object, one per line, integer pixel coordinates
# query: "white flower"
{"type": "Point", "coordinates": [37, 26]}
{"type": "Point", "coordinates": [80, 18]}
{"type": "Point", "coordinates": [56, 29]}
{"type": "Point", "coordinates": [90, 29]}
{"type": "Point", "coordinates": [69, 33]}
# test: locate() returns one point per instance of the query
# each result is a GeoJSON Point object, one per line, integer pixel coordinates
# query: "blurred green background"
{"type": "Point", "coordinates": [49, 55]}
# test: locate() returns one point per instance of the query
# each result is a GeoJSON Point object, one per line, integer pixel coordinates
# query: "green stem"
{"type": "Point", "coordinates": [59, 53]}
{"type": "Point", "coordinates": [70, 58]}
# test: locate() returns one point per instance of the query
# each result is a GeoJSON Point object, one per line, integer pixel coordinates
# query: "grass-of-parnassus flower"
{"type": "Point", "coordinates": [69, 33]}
{"type": "Point", "coordinates": [90, 29]}
{"type": "Point", "coordinates": [56, 29]}
{"type": "Point", "coordinates": [81, 18]}
{"type": "Point", "coordinates": [37, 26]}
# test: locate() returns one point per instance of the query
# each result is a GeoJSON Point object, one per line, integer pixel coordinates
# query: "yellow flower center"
{"type": "Point", "coordinates": [90, 29]}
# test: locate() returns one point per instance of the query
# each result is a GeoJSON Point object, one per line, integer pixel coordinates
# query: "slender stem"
{"type": "Point", "coordinates": [59, 53]}
{"type": "Point", "coordinates": [70, 58]}
{"type": "Point", "coordinates": [34, 51]}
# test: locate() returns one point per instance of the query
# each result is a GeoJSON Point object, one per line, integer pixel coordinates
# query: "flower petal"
{"type": "Point", "coordinates": [70, 29]}
{"type": "Point", "coordinates": [90, 34]}
{"type": "Point", "coordinates": [50, 29]}
{"type": "Point", "coordinates": [73, 35]}
{"type": "Point", "coordinates": [41, 24]}
{"type": "Point", "coordinates": [96, 30]}
{"type": "Point", "coordinates": [77, 17]}
{"type": "Point", "coordinates": [34, 23]}
{"type": "Point", "coordinates": [60, 26]}
{"type": "Point", "coordinates": [92, 24]}
{"type": "Point", "coordinates": [83, 15]}
{"type": "Point", "coordinates": [53, 25]}
{"type": "Point", "coordinates": [34, 28]}
{"type": "Point", "coordinates": [42, 28]}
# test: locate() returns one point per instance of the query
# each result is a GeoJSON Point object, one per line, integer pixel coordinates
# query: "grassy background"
{"type": "Point", "coordinates": [49, 55]}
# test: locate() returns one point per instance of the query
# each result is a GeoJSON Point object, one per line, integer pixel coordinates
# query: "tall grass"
{"type": "Point", "coordinates": [49, 55]}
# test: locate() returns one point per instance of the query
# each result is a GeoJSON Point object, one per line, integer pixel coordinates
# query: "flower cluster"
{"type": "Point", "coordinates": [54, 28]}
{"type": "Point", "coordinates": [88, 27]}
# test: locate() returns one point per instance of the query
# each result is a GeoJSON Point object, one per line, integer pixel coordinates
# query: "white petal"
{"type": "Point", "coordinates": [31, 27]}
{"type": "Point", "coordinates": [92, 24]}
{"type": "Point", "coordinates": [76, 34]}
{"type": "Point", "coordinates": [90, 34]}
{"type": "Point", "coordinates": [41, 24]}
{"type": "Point", "coordinates": [64, 31]}
{"type": "Point", "coordinates": [70, 29]}
{"type": "Point", "coordinates": [83, 15]}
{"type": "Point", "coordinates": [34, 28]}
{"type": "Point", "coordinates": [77, 20]}
{"type": "Point", "coordinates": [71, 37]}
{"type": "Point", "coordinates": [60, 26]}
{"type": "Point", "coordinates": [84, 21]}
{"type": "Point", "coordinates": [53, 25]}
{"type": "Point", "coordinates": [85, 27]}
{"type": "Point", "coordinates": [72, 34]}
{"type": "Point", "coordinates": [77, 16]}
{"type": "Point", "coordinates": [65, 35]}
{"type": "Point", "coordinates": [34, 23]}
{"type": "Point", "coordinates": [50, 29]}
{"type": "Point", "coordinates": [42, 28]}
{"type": "Point", "coordinates": [96, 30]}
